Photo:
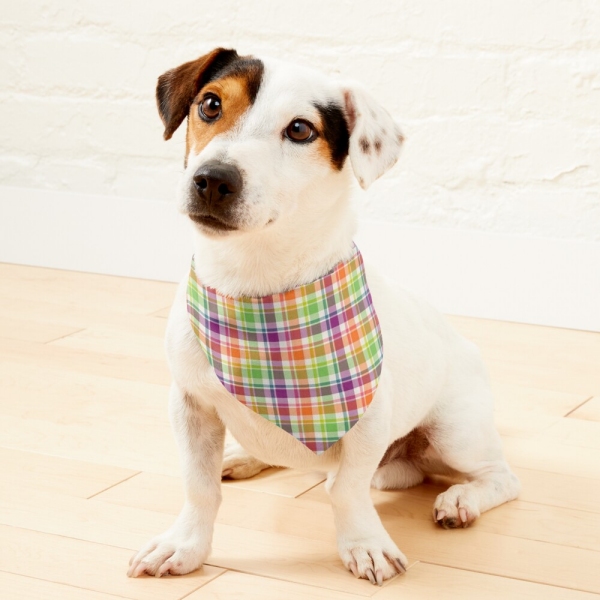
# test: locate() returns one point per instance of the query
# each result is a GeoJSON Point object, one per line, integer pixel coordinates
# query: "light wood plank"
{"type": "Point", "coordinates": [122, 443]}
{"type": "Point", "coordinates": [520, 519]}
{"type": "Point", "coordinates": [33, 331]}
{"type": "Point", "coordinates": [79, 316]}
{"type": "Point", "coordinates": [524, 411]}
{"type": "Point", "coordinates": [590, 411]}
{"type": "Point", "coordinates": [49, 473]}
{"type": "Point", "coordinates": [521, 337]}
{"type": "Point", "coordinates": [72, 288]}
{"type": "Point", "coordinates": [313, 517]}
{"type": "Point", "coordinates": [80, 361]}
{"type": "Point", "coordinates": [555, 489]}
{"type": "Point", "coordinates": [426, 581]}
{"type": "Point", "coordinates": [90, 566]}
{"type": "Point", "coordinates": [551, 456]}
{"type": "Point", "coordinates": [564, 526]}
{"type": "Point", "coordinates": [18, 587]}
{"type": "Point", "coordinates": [311, 561]}
{"type": "Point", "coordinates": [99, 395]}
{"type": "Point", "coordinates": [95, 418]}
{"type": "Point", "coordinates": [78, 398]}
{"type": "Point", "coordinates": [162, 493]}
{"type": "Point", "coordinates": [510, 398]}
{"type": "Point", "coordinates": [120, 341]}
{"type": "Point", "coordinates": [573, 432]}
{"type": "Point", "coordinates": [282, 482]}
{"type": "Point", "coordinates": [250, 587]}
{"type": "Point", "coordinates": [479, 548]}
{"type": "Point", "coordinates": [539, 357]}
{"type": "Point", "coordinates": [399, 510]}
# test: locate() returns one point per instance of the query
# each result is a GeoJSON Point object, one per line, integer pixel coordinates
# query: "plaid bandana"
{"type": "Point", "coordinates": [308, 360]}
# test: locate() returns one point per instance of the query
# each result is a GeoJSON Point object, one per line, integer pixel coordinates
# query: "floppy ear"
{"type": "Point", "coordinates": [375, 138]}
{"type": "Point", "coordinates": [177, 88]}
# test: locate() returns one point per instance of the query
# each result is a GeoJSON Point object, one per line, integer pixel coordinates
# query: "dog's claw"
{"type": "Point", "coordinates": [399, 566]}
{"type": "Point", "coordinates": [371, 576]}
{"type": "Point", "coordinates": [354, 569]}
{"type": "Point", "coordinates": [379, 577]}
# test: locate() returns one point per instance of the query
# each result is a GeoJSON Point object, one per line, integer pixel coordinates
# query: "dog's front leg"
{"type": "Point", "coordinates": [184, 547]}
{"type": "Point", "coordinates": [365, 546]}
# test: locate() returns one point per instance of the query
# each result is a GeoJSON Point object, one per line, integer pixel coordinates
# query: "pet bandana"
{"type": "Point", "coordinates": [307, 360]}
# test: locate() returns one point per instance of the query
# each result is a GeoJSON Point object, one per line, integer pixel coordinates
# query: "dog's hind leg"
{"type": "Point", "coordinates": [398, 474]}
{"type": "Point", "coordinates": [470, 444]}
{"type": "Point", "coordinates": [238, 464]}
{"type": "Point", "coordinates": [400, 466]}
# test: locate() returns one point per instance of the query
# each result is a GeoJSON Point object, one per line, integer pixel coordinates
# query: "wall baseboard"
{"type": "Point", "coordinates": [531, 280]}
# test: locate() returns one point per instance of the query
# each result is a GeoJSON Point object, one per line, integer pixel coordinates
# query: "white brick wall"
{"type": "Point", "coordinates": [500, 99]}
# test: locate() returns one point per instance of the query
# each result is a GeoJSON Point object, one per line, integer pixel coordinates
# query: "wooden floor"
{"type": "Point", "coordinates": [89, 470]}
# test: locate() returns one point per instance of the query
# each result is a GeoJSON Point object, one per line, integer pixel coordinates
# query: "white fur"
{"type": "Point", "coordinates": [296, 223]}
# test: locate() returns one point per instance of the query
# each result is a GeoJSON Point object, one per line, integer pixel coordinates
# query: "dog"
{"type": "Point", "coordinates": [271, 150]}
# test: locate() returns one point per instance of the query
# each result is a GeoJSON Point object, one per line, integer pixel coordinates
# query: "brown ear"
{"type": "Point", "coordinates": [177, 88]}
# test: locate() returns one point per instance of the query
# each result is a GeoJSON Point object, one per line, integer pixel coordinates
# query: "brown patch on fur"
{"type": "Point", "coordinates": [377, 145]}
{"type": "Point", "coordinates": [411, 447]}
{"type": "Point", "coordinates": [177, 88]}
{"type": "Point", "coordinates": [350, 110]}
{"type": "Point", "coordinates": [365, 145]}
{"type": "Point", "coordinates": [235, 101]}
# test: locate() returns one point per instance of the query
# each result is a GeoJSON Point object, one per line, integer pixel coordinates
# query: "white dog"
{"type": "Point", "coordinates": [266, 186]}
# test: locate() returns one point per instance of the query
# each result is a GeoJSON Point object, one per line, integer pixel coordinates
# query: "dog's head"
{"type": "Point", "coordinates": [265, 139]}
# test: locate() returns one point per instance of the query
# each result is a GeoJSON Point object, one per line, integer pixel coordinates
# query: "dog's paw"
{"type": "Point", "coordinates": [238, 464]}
{"type": "Point", "coordinates": [170, 554]}
{"type": "Point", "coordinates": [456, 507]}
{"type": "Point", "coordinates": [372, 559]}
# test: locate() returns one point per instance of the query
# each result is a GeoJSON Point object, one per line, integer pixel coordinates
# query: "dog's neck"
{"type": "Point", "coordinates": [280, 257]}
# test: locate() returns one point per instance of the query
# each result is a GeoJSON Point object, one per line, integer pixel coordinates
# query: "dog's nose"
{"type": "Point", "coordinates": [218, 183]}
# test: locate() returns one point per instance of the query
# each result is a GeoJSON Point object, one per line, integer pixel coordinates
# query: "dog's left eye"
{"type": "Point", "coordinates": [210, 108]}
{"type": "Point", "coordinates": [300, 130]}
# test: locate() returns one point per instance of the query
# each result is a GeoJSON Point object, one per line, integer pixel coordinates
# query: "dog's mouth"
{"type": "Point", "coordinates": [211, 222]}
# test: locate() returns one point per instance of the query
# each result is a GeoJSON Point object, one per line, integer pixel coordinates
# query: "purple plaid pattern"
{"type": "Point", "coordinates": [308, 360]}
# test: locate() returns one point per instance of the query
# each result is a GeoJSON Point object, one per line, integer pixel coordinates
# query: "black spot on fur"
{"type": "Point", "coordinates": [365, 145]}
{"type": "Point", "coordinates": [335, 132]}
{"type": "Point", "coordinates": [377, 146]}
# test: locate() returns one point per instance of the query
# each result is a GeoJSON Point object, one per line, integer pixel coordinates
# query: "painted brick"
{"type": "Point", "coordinates": [498, 99]}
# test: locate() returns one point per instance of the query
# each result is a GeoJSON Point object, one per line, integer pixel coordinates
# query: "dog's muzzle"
{"type": "Point", "coordinates": [216, 187]}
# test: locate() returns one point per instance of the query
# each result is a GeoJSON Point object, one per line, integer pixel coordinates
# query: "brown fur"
{"type": "Point", "coordinates": [350, 111]}
{"type": "Point", "coordinates": [411, 447]}
{"type": "Point", "coordinates": [235, 101]}
{"type": "Point", "coordinates": [177, 88]}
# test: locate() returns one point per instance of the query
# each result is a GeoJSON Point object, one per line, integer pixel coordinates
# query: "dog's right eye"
{"type": "Point", "coordinates": [300, 131]}
{"type": "Point", "coordinates": [210, 108]}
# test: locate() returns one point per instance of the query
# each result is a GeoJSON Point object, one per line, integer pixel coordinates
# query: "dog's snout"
{"type": "Point", "coordinates": [218, 183]}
